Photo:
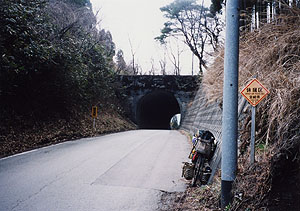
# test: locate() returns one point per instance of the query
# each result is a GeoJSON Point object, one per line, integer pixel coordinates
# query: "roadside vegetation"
{"type": "Point", "coordinates": [55, 65]}
{"type": "Point", "coordinates": [271, 54]}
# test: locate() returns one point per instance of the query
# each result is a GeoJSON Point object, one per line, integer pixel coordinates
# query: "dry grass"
{"type": "Point", "coordinates": [272, 54]}
{"type": "Point", "coordinates": [26, 135]}
{"type": "Point", "coordinates": [204, 198]}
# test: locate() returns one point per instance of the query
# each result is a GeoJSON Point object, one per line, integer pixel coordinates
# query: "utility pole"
{"type": "Point", "coordinates": [230, 102]}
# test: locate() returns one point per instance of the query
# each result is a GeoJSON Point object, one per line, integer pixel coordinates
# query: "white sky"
{"type": "Point", "coordinates": [140, 21]}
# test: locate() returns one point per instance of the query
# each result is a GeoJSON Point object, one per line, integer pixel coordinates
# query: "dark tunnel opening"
{"type": "Point", "coordinates": [155, 110]}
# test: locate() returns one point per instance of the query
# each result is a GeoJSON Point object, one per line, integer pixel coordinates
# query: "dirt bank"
{"type": "Point", "coordinates": [22, 134]}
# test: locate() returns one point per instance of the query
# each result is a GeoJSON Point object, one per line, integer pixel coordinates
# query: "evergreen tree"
{"type": "Point", "coordinates": [121, 64]}
{"type": "Point", "coordinates": [194, 24]}
{"type": "Point", "coordinates": [216, 6]}
{"type": "Point", "coordinates": [52, 58]}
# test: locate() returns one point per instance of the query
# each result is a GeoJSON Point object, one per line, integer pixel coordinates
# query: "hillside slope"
{"type": "Point", "coordinates": [22, 134]}
{"type": "Point", "coordinates": [54, 65]}
{"type": "Point", "coordinates": [271, 54]}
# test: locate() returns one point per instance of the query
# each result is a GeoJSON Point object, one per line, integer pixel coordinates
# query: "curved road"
{"type": "Point", "coordinates": [123, 171]}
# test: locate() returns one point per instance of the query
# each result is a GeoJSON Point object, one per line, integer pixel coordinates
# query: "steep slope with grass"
{"type": "Point", "coordinates": [271, 54]}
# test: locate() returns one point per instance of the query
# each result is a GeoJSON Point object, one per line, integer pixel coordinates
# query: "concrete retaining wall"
{"type": "Point", "coordinates": [202, 115]}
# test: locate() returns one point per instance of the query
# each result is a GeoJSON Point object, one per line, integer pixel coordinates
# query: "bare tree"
{"type": "Point", "coordinates": [174, 57]}
{"type": "Point", "coordinates": [152, 68]}
{"type": "Point", "coordinates": [193, 24]}
{"type": "Point", "coordinates": [163, 65]}
{"type": "Point", "coordinates": [133, 62]}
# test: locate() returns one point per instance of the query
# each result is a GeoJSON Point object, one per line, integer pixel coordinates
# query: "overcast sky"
{"type": "Point", "coordinates": [140, 22]}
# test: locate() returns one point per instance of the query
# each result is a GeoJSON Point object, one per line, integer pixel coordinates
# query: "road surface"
{"type": "Point", "coordinates": [124, 171]}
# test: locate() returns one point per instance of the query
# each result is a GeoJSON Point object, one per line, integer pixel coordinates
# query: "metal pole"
{"type": "Point", "coordinates": [94, 123]}
{"type": "Point", "coordinates": [252, 143]}
{"type": "Point", "coordinates": [230, 102]}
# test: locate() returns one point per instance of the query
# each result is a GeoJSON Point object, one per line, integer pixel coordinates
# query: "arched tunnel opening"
{"type": "Point", "coordinates": [155, 110]}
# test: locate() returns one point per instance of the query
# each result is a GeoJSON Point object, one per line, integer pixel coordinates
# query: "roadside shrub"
{"type": "Point", "coordinates": [47, 67]}
{"type": "Point", "coordinates": [272, 55]}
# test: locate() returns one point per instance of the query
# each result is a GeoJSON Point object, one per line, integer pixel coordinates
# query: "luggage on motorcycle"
{"type": "Point", "coordinates": [188, 170]}
{"type": "Point", "coordinates": [195, 156]}
{"type": "Point", "coordinates": [204, 148]}
{"type": "Point", "coordinates": [205, 144]}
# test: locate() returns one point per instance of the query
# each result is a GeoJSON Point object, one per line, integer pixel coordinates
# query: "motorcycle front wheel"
{"type": "Point", "coordinates": [198, 171]}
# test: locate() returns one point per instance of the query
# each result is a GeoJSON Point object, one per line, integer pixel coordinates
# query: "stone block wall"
{"type": "Point", "coordinates": [134, 87]}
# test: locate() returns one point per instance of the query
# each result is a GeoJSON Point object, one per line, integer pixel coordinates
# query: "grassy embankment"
{"type": "Point", "coordinates": [272, 54]}
{"type": "Point", "coordinates": [25, 134]}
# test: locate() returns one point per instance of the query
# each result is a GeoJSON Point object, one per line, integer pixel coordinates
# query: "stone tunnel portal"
{"type": "Point", "coordinates": [155, 110]}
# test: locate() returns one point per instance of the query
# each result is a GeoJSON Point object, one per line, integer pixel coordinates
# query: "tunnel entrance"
{"type": "Point", "coordinates": [155, 110]}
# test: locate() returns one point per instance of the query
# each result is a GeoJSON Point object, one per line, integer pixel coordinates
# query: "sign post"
{"type": "Point", "coordinates": [254, 92]}
{"type": "Point", "coordinates": [252, 141]}
{"type": "Point", "coordinates": [94, 115]}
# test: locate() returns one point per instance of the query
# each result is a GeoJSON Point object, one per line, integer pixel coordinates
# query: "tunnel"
{"type": "Point", "coordinates": [155, 110]}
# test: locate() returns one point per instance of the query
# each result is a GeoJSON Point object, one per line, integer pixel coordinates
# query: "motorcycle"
{"type": "Point", "coordinates": [199, 170]}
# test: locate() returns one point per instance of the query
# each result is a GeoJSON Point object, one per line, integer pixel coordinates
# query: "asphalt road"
{"type": "Point", "coordinates": [124, 171]}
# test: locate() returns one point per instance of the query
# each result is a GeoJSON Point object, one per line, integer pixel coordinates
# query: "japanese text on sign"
{"type": "Point", "coordinates": [254, 92]}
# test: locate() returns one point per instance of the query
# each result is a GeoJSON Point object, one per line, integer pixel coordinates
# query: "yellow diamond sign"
{"type": "Point", "coordinates": [254, 92]}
